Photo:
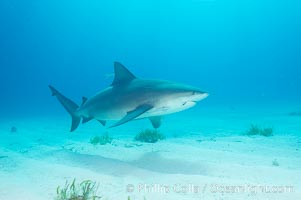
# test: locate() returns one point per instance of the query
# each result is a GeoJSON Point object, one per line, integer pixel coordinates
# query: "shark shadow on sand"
{"type": "Point", "coordinates": [146, 165]}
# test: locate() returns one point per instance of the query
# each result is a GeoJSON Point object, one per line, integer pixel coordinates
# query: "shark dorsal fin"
{"type": "Point", "coordinates": [122, 74]}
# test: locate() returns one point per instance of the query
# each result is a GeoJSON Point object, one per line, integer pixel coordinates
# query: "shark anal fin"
{"type": "Point", "coordinates": [122, 74]}
{"type": "Point", "coordinates": [133, 114]}
{"type": "Point", "coordinates": [86, 119]}
{"type": "Point", "coordinates": [156, 121]}
{"type": "Point", "coordinates": [103, 122]}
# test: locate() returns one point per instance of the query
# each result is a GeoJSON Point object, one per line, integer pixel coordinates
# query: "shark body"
{"type": "Point", "coordinates": [129, 98]}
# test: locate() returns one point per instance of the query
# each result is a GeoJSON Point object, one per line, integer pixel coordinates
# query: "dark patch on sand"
{"type": "Point", "coordinates": [144, 166]}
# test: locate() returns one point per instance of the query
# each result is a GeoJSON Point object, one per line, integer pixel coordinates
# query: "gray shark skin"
{"type": "Point", "coordinates": [130, 98]}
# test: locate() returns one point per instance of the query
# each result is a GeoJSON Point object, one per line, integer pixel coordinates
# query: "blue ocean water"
{"type": "Point", "coordinates": [241, 52]}
{"type": "Point", "coordinates": [245, 54]}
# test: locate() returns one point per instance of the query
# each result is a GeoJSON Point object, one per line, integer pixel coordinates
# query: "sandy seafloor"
{"type": "Point", "coordinates": [203, 156]}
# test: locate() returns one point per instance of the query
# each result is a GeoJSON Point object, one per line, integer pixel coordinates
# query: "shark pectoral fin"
{"type": "Point", "coordinates": [156, 121]}
{"type": "Point", "coordinates": [103, 122]}
{"type": "Point", "coordinates": [86, 119]}
{"type": "Point", "coordinates": [122, 74]}
{"type": "Point", "coordinates": [133, 114]}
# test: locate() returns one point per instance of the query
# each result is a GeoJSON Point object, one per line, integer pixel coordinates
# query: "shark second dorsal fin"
{"type": "Point", "coordinates": [122, 74]}
{"type": "Point", "coordinates": [84, 99]}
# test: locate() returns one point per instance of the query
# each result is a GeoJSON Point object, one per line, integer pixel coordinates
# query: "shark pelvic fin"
{"type": "Point", "coordinates": [133, 114]}
{"type": "Point", "coordinates": [69, 105]}
{"type": "Point", "coordinates": [122, 74]}
{"type": "Point", "coordinates": [156, 121]}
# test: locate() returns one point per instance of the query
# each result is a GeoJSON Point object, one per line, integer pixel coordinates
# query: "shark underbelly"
{"type": "Point", "coordinates": [112, 111]}
{"type": "Point", "coordinates": [167, 109]}
{"type": "Point", "coordinates": [158, 110]}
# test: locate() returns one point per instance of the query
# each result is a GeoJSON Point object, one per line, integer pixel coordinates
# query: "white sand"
{"type": "Point", "coordinates": [203, 157]}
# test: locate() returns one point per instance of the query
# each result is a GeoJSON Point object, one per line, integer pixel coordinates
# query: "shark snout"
{"type": "Point", "coordinates": [205, 94]}
{"type": "Point", "coordinates": [198, 96]}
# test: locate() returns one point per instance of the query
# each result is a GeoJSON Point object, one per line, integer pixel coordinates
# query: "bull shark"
{"type": "Point", "coordinates": [130, 98]}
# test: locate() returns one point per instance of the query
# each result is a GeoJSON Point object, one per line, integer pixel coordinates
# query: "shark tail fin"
{"type": "Point", "coordinates": [69, 105]}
